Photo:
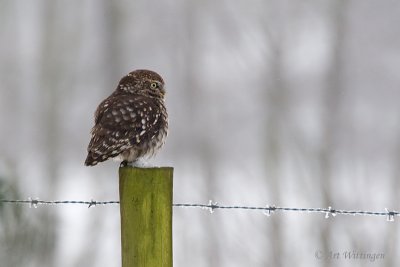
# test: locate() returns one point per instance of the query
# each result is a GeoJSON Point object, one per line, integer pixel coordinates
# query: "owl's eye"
{"type": "Point", "coordinates": [153, 85]}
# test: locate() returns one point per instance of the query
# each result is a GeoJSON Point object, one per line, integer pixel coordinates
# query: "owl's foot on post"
{"type": "Point", "coordinates": [140, 163]}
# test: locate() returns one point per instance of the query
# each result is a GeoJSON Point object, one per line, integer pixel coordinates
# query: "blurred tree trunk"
{"type": "Point", "coordinates": [112, 16]}
{"type": "Point", "coordinates": [273, 152]}
{"type": "Point", "coordinates": [10, 98]}
{"type": "Point", "coordinates": [51, 71]}
{"type": "Point", "coordinates": [276, 110]}
{"type": "Point", "coordinates": [332, 116]}
{"type": "Point", "coordinates": [393, 229]}
{"type": "Point", "coordinates": [197, 116]}
{"type": "Point", "coordinates": [191, 72]}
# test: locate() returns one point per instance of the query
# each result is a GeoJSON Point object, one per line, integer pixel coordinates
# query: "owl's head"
{"type": "Point", "coordinates": [143, 82]}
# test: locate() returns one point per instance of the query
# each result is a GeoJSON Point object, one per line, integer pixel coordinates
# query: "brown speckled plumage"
{"type": "Point", "coordinates": [132, 123]}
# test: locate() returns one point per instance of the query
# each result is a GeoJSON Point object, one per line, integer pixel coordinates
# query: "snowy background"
{"type": "Point", "coordinates": [271, 102]}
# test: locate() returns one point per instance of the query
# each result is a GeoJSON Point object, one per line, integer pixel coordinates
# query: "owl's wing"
{"type": "Point", "coordinates": [122, 122]}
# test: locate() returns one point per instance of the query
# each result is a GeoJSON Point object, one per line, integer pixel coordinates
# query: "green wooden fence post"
{"type": "Point", "coordinates": [146, 216]}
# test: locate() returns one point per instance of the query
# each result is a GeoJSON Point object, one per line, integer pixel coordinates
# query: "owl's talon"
{"type": "Point", "coordinates": [140, 163]}
{"type": "Point", "coordinates": [123, 164]}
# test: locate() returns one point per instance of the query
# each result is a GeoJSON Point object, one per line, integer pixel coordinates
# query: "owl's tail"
{"type": "Point", "coordinates": [90, 160]}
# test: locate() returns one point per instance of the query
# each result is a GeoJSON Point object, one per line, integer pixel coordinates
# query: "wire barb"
{"type": "Point", "coordinates": [390, 215]}
{"type": "Point", "coordinates": [269, 210]}
{"type": "Point", "coordinates": [212, 206]}
{"type": "Point", "coordinates": [92, 203]}
{"type": "Point", "coordinates": [329, 212]}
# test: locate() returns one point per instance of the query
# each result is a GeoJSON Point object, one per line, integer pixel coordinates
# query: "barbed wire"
{"type": "Point", "coordinates": [36, 202]}
{"type": "Point", "coordinates": [212, 206]}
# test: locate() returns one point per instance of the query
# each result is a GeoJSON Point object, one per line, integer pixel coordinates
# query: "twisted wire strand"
{"type": "Point", "coordinates": [212, 206]}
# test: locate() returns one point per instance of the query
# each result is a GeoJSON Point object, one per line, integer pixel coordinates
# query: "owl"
{"type": "Point", "coordinates": [131, 125]}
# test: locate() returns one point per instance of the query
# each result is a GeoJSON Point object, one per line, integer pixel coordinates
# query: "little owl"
{"type": "Point", "coordinates": [132, 123]}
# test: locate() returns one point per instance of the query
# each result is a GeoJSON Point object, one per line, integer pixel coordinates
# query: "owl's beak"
{"type": "Point", "coordinates": [162, 90]}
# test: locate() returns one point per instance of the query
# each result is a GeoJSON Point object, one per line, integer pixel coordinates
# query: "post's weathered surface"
{"type": "Point", "coordinates": [146, 216]}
